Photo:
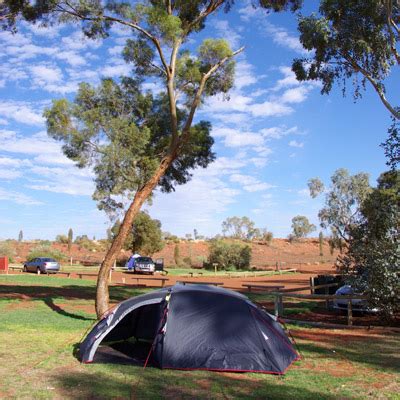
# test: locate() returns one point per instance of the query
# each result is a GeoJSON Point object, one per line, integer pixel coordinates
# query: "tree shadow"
{"type": "Point", "coordinates": [121, 381]}
{"type": "Point", "coordinates": [376, 351]}
{"type": "Point", "coordinates": [50, 303]}
{"type": "Point", "coordinates": [48, 294]}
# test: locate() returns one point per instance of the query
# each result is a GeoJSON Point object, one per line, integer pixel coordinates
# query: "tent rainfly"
{"type": "Point", "coordinates": [192, 327]}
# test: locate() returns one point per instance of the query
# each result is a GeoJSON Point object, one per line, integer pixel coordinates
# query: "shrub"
{"type": "Point", "coordinates": [46, 251]}
{"type": "Point", "coordinates": [187, 261]}
{"type": "Point", "coordinates": [229, 255]}
{"type": "Point", "coordinates": [63, 239]}
{"type": "Point", "coordinates": [6, 250]}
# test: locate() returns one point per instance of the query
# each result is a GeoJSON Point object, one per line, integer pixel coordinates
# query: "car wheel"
{"type": "Point", "coordinates": [25, 269]}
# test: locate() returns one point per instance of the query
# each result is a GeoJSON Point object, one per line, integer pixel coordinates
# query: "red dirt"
{"type": "Point", "coordinates": [302, 254]}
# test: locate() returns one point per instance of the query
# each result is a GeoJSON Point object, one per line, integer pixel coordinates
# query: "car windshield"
{"type": "Point", "coordinates": [48, 259]}
{"type": "Point", "coordinates": [144, 259]}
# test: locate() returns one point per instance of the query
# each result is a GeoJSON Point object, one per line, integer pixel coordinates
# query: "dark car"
{"type": "Point", "coordinates": [144, 265]}
{"type": "Point", "coordinates": [43, 265]}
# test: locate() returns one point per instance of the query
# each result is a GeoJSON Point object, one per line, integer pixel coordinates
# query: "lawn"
{"type": "Point", "coordinates": [42, 320]}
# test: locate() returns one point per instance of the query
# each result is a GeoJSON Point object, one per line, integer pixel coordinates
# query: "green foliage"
{"type": "Point", "coordinates": [241, 228]}
{"type": "Point", "coordinates": [373, 257]}
{"type": "Point", "coordinates": [123, 134]}
{"type": "Point", "coordinates": [85, 242]}
{"type": "Point", "coordinates": [229, 255]}
{"type": "Point", "coordinates": [63, 239]}
{"type": "Point", "coordinates": [145, 237]}
{"type": "Point", "coordinates": [343, 200]}
{"type": "Point", "coordinates": [46, 251]}
{"type": "Point", "coordinates": [177, 255]}
{"type": "Point", "coordinates": [267, 236]}
{"type": "Point", "coordinates": [301, 226]}
{"type": "Point", "coordinates": [7, 250]}
{"type": "Point", "coordinates": [350, 39]}
{"type": "Point", "coordinates": [392, 145]}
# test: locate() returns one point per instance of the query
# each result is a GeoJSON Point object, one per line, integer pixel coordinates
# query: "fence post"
{"type": "Point", "coordinates": [349, 313]}
{"type": "Point", "coordinates": [312, 285]}
{"type": "Point", "coordinates": [327, 300]}
{"type": "Point", "coordinates": [278, 305]}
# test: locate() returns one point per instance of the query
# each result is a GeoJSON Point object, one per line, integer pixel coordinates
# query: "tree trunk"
{"type": "Point", "coordinates": [102, 295]}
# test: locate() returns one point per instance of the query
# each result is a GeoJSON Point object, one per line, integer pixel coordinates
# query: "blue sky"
{"type": "Point", "coordinates": [270, 137]}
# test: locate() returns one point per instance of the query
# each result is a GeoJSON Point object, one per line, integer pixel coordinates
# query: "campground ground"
{"type": "Point", "coordinates": [44, 318]}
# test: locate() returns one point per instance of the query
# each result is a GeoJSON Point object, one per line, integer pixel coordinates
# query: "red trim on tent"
{"type": "Point", "coordinates": [234, 370]}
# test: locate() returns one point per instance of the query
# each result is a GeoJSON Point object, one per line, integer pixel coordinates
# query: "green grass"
{"type": "Point", "coordinates": [42, 319]}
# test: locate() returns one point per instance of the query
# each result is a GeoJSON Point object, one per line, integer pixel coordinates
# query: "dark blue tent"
{"type": "Point", "coordinates": [192, 327]}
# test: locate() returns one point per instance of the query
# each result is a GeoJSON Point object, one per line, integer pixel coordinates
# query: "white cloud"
{"type": "Point", "coordinates": [283, 38]}
{"type": "Point", "coordinates": [116, 70]}
{"type": "Point", "coordinates": [270, 109]}
{"type": "Point", "coordinates": [19, 198]}
{"type": "Point", "coordinates": [249, 183]}
{"type": "Point", "coordinates": [72, 58]}
{"type": "Point", "coordinates": [295, 143]}
{"type": "Point", "coordinates": [43, 74]}
{"type": "Point", "coordinates": [227, 33]}
{"type": "Point", "coordinates": [295, 95]}
{"type": "Point", "coordinates": [21, 112]}
{"type": "Point", "coordinates": [235, 138]}
{"type": "Point", "coordinates": [244, 74]}
{"type": "Point", "coordinates": [36, 144]}
{"type": "Point", "coordinates": [9, 174]}
{"type": "Point", "coordinates": [78, 41]}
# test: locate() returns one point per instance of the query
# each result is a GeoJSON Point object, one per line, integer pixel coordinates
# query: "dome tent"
{"type": "Point", "coordinates": [194, 327]}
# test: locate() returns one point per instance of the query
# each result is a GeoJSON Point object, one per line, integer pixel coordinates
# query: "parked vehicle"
{"type": "Point", "coordinates": [130, 264]}
{"type": "Point", "coordinates": [43, 265]}
{"type": "Point", "coordinates": [144, 265]}
{"type": "Point", "coordinates": [356, 304]}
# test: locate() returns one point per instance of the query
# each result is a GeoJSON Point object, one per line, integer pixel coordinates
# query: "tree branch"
{"type": "Point", "coordinates": [374, 83]}
{"type": "Point", "coordinates": [197, 98]}
{"type": "Point", "coordinates": [132, 25]}
{"type": "Point", "coordinates": [389, 22]}
{"type": "Point", "coordinates": [212, 6]}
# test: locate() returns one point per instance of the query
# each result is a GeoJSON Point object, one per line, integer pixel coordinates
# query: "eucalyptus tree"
{"type": "Point", "coordinates": [352, 39]}
{"type": "Point", "coordinates": [343, 201]}
{"type": "Point", "coordinates": [301, 226]}
{"type": "Point", "coordinates": [132, 140]}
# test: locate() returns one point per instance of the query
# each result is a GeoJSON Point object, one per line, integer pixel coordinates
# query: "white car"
{"type": "Point", "coordinates": [356, 304]}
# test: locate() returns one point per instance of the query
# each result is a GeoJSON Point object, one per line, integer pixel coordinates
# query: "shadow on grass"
{"type": "Point", "coordinates": [50, 303]}
{"type": "Point", "coordinates": [48, 294]}
{"type": "Point", "coordinates": [152, 383]}
{"type": "Point", "coordinates": [376, 351]}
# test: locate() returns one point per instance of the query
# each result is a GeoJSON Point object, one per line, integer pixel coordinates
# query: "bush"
{"type": "Point", "coordinates": [187, 261]}
{"type": "Point", "coordinates": [63, 239]}
{"type": "Point", "coordinates": [6, 250]}
{"type": "Point", "coordinates": [46, 251]}
{"type": "Point", "coordinates": [229, 255]}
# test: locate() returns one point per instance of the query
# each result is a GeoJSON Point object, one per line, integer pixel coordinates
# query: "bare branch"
{"type": "Point", "coordinates": [132, 25]}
